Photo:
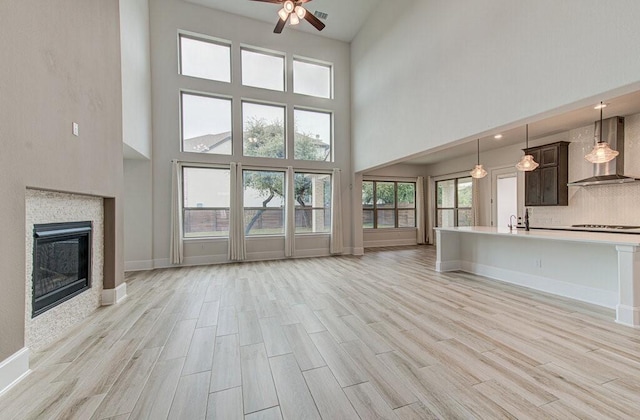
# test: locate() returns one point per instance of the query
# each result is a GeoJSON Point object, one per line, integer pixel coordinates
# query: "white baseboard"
{"type": "Point", "coordinates": [14, 369]}
{"type": "Point", "coordinates": [390, 242]}
{"type": "Point", "coordinates": [443, 266]}
{"type": "Point", "coordinates": [575, 291]}
{"type": "Point", "coordinates": [628, 315]}
{"type": "Point", "coordinates": [142, 265]}
{"type": "Point", "coordinates": [311, 253]}
{"type": "Point", "coordinates": [114, 296]}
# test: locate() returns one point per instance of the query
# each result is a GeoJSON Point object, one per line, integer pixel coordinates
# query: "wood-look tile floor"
{"type": "Point", "coordinates": [378, 336]}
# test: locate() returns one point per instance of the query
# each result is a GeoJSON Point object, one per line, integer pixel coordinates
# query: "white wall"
{"type": "Point", "coordinates": [136, 78]}
{"type": "Point", "coordinates": [432, 72]}
{"type": "Point", "coordinates": [169, 16]}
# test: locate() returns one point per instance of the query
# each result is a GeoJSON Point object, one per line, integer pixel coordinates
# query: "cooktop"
{"type": "Point", "coordinates": [594, 226]}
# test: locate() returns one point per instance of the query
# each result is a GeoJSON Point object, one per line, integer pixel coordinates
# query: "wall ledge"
{"type": "Point", "coordinates": [14, 369]}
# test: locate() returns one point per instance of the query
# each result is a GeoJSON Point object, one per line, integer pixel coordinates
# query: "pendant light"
{"type": "Point", "coordinates": [478, 171]}
{"type": "Point", "coordinates": [601, 152]}
{"type": "Point", "coordinates": [527, 163]}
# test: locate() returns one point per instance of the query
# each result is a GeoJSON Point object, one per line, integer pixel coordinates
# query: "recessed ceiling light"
{"type": "Point", "coordinates": [497, 136]}
{"type": "Point", "coordinates": [600, 106]}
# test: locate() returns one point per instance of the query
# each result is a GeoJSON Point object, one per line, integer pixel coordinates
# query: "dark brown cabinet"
{"type": "Point", "coordinates": [547, 185]}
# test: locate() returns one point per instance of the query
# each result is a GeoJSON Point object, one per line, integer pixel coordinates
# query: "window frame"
{"type": "Point", "coordinates": [395, 207]}
{"type": "Point", "coordinates": [296, 207]}
{"type": "Point", "coordinates": [184, 208]}
{"type": "Point", "coordinates": [313, 61]}
{"type": "Point", "coordinates": [208, 39]}
{"type": "Point", "coordinates": [330, 157]}
{"type": "Point", "coordinates": [283, 171]}
{"type": "Point", "coordinates": [263, 51]}
{"type": "Point", "coordinates": [456, 209]}
{"type": "Point", "coordinates": [183, 92]}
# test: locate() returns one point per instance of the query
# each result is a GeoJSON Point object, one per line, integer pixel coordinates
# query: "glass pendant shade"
{"type": "Point", "coordinates": [527, 164]}
{"type": "Point", "coordinates": [601, 153]}
{"type": "Point", "coordinates": [478, 172]}
{"type": "Point", "coordinates": [294, 19]}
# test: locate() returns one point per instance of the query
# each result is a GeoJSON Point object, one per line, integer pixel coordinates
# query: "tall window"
{"type": "Point", "coordinates": [204, 58]}
{"type": "Point", "coordinates": [206, 124]}
{"type": "Point", "coordinates": [205, 194]}
{"type": "Point", "coordinates": [263, 202]}
{"type": "Point", "coordinates": [454, 202]}
{"type": "Point", "coordinates": [263, 70]}
{"type": "Point", "coordinates": [264, 132]}
{"type": "Point", "coordinates": [312, 203]}
{"type": "Point", "coordinates": [313, 135]}
{"type": "Point", "coordinates": [312, 78]}
{"type": "Point", "coordinates": [388, 204]}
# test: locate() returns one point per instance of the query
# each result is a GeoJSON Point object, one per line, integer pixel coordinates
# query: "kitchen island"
{"type": "Point", "coordinates": [594, 267]}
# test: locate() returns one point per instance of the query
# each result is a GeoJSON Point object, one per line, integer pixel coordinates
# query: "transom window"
{"type": "Point", "coordinates": [388, 204]}
{"type": "Point", "coordinates": [312, 78]}
{"type": "Point", "coordinates": [205, 58]}
{"type": "Point", "coordinates": [263, 70]}
{"type": "Point", "coordinates": [205, 193]}
{"type": "Point", "coordinates": [313, 135]}
{"type": "Point", "coordinates": [454, 202]}
{"type": "Point", "coordinates": [312, 202]}
{"type": "Point", "coordinates": [263, 128]}
{"type": "Point", "coordinates": [206, 124]}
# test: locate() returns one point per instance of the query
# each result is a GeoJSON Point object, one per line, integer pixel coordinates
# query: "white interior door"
{"type": "Point", "coordinates": [504, 196]}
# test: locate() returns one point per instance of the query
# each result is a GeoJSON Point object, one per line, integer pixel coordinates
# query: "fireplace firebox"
{"type": "Point", "coordinates": [61, 263]}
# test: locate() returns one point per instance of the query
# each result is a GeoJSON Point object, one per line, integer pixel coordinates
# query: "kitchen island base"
{"type": "Point", "coordinates": [598, 268]}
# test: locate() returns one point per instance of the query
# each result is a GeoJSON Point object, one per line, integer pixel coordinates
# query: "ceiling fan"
{"type": "Point", "coordinates": [293, 11]}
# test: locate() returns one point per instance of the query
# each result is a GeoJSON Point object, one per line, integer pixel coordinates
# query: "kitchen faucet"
{"type": "Point", "coordinates": [511, 223]}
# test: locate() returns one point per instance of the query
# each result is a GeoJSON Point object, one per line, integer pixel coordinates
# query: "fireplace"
{"type": "Point", "coordinates": [61, 263]}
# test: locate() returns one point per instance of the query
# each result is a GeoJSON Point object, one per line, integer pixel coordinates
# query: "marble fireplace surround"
{"type": "Point", "coordinates": [55, 207]}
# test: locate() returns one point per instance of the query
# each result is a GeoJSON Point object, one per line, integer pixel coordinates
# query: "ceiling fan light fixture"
{"type": "Point", "coordinates": [294, 19]}
{"type": "Point", "coordinates": [283, 14]}
{"type": "Point", "coordinates": [288, 6]}
{"type": "Point", "coordinates": [300, 11]}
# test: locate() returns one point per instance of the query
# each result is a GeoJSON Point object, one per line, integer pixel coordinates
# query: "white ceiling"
{"type": "Point", "coordinates": [345, 17]}
{"type": "Point", "coordinates": [617, 107]}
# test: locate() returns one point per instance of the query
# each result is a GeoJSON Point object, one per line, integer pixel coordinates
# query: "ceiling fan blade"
{"type": "Point", "coordinates": [280, 26]}
{"type": "Point", "coordinates": [314, 21]}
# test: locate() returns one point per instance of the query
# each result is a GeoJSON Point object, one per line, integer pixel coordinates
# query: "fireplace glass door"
{"type": "Point", "coordinates": [61, 263]}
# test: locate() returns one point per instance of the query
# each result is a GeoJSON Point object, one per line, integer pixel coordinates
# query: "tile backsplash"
{"type": "Point", "coordinates": [602, 204]}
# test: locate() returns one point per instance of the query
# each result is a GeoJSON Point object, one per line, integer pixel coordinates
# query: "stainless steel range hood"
{"type": "Point", "coordinates": [611, 172]}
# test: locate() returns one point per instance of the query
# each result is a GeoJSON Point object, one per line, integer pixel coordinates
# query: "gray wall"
{"type": "Point", "coordinates": [60, 63]}
{"type": "Point", "coordinates": [433, 72]}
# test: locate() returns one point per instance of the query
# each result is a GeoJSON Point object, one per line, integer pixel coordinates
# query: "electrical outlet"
{"type": "Point", "coordinates": [75, 129]}
{"type": "Point", "coordinates": [538, 263]}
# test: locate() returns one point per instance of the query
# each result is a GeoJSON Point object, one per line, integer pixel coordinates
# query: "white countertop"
{"type": "Point", "coordinates": [558, 235]}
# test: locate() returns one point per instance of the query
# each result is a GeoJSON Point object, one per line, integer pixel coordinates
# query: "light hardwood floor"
{"type": "Point", "coordinates": [378, 336]}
